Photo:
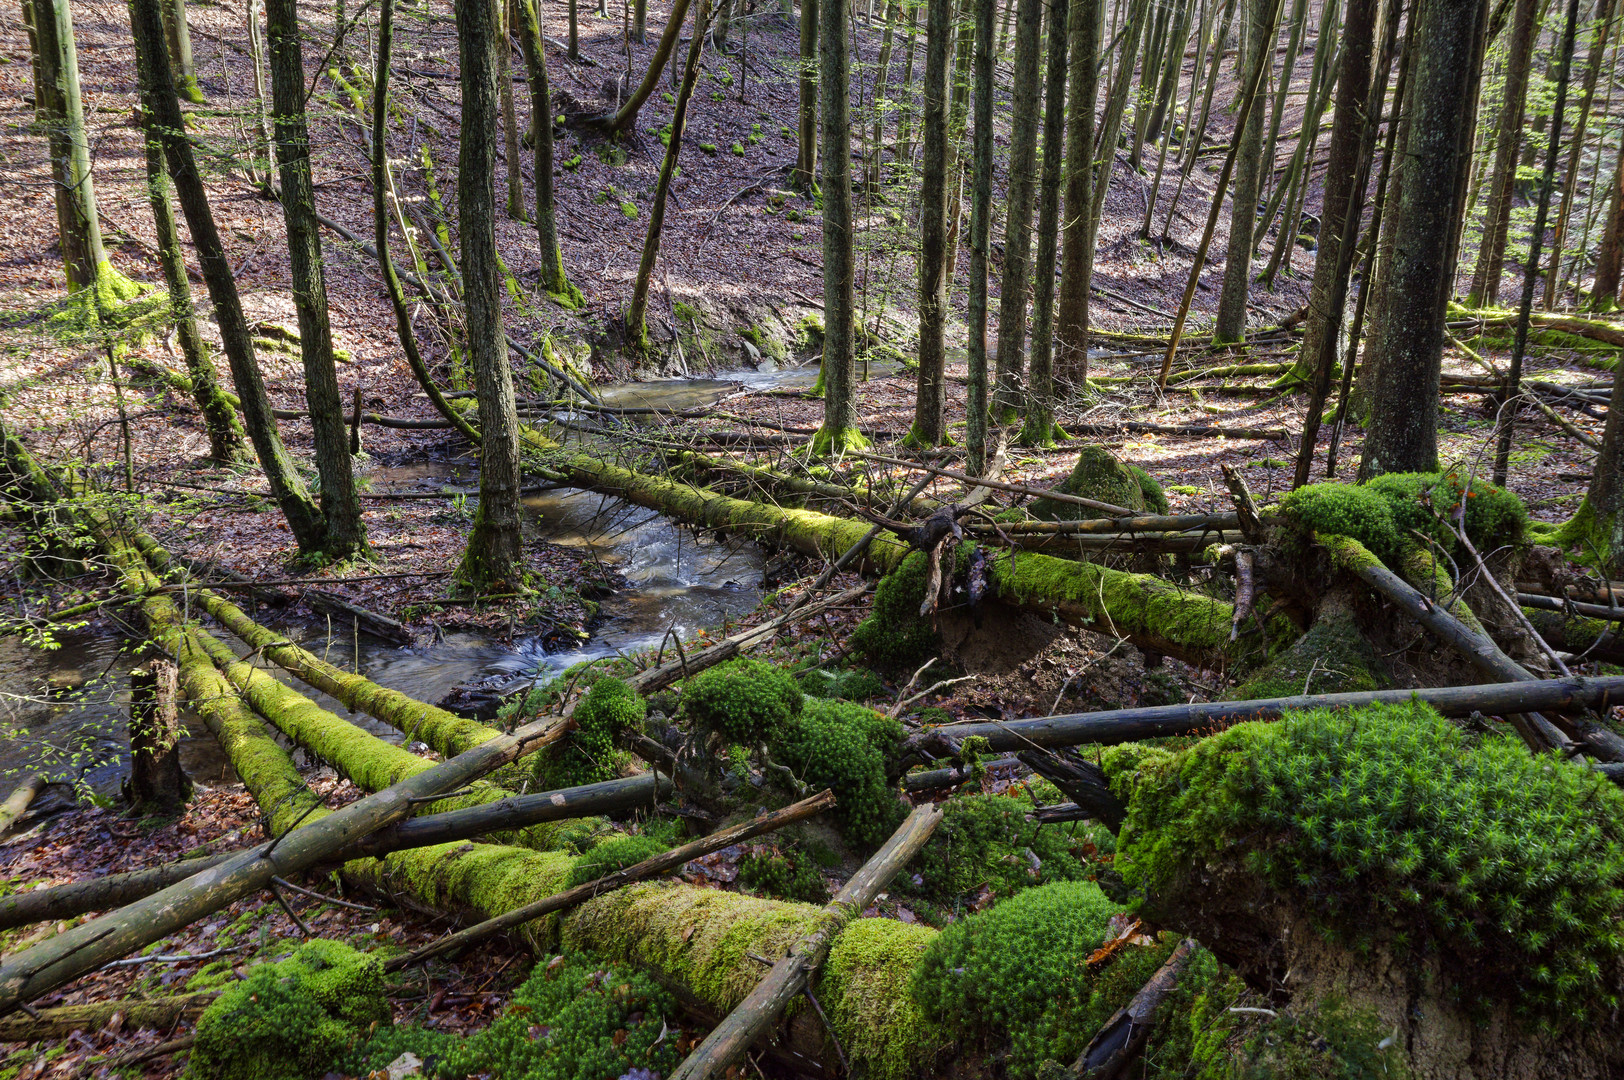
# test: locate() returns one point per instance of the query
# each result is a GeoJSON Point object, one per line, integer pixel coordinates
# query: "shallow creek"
{"type": "Point", "coordinates": [64, 712]}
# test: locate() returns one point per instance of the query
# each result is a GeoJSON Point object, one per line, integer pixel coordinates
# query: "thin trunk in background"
{"type": "Point", "coordinates": [905, 114]}
{"type": "Point", "coordinates": [553, 279]}
{"type": "Point", "coordinates": [839, 431]}
{"type": "Point", "coordinates": [510, 119]}
{"type": "Point", "coordinates": [637, 312]}
{"type": "Point", "coordinates": [1193, 144]}
{"type": "Point", "coordinates": [494, 560]}
{"type": "Point", "coordinates": [806, 159]}
{"type": "Point", "coordinates": [881, 102]}
{"type": "Point", "coordinates": [179, 36]}
{"type": "Point", "coordinates": [287, 489]}
{"type": "Point", "coordinates": [975, 438]}
{"type": "Point", "coordinates": [1257, 40]}
{"type": "Point", "coordinates": [575, 32]}
{"type": "Point", "coordinates": [340, 505]}
{"type": "Point", "coordinates": [259, 167]}
{"type": "Point", "coordinates": [1023, 146]}
{"type": "Point", "coordinates": [1039, 428]}
{"type": "Point", "coordinates": [78, 226]}
{"type": "Point", "coordinates": [929, 426]}
{"type": "Point", "coordinates": [1082, 59]}
{"type": "Point", "coordinates": [1294, 40]}
{"type": "Point", "coordinates": [1593, 64]}
{"type": "Point", "coordinates": [1485, 287]}
{"type": "Point", "coordinates": [1403, 435]}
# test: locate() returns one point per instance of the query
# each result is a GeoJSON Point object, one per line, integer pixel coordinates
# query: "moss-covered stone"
{"type": "Point", "coordinates": [1333, 657]}
{"type": "Point", "coordinates": [291, 1020]}
{"type": "Point", "coordinates": [1100, 476]}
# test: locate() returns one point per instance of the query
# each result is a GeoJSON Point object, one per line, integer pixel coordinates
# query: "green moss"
{"type": "Point", "coordinates": [588, 754]}
{"type": "Point", "coordinates": [1017, 972]}
{"type": "Point", "coordinates": [745, 700]}
{"type": "Point", "coordinates": [1098, 475]}
{"type": "Point", "coordinates": [1344, 510]}
{"type": "Point", "coordinates": [846, 684]}
{"type": "Point", "coordinates": [614, 854]}
{"type": "Point", "coordinates": [895, 636]}
{"type": "Point", "coordinates": [291, 1020]}
{"type": "Point", "coordinates": [785, 876]}
{"type": "Point", "coordinates": [809, 332]}
{"type": "Point", "coordinates": [1150, 490]}
{"type": "Point", "coordinates": [987, 840]}
{"type": "Point", "coordinates": [1493, 516]}
{"type": "Point", "coordinates": [1386, 824]}
{"type": "Point", "coordinates": [833, 442]}
{"type": "Point", "coordinates": [573, 1019]}
{"type": "Point", "coordinates": [864, 988]}
{"type": "Point", "coordinates": [1332, 658]}
{"type": "Point", "coordinates": [847, 748]}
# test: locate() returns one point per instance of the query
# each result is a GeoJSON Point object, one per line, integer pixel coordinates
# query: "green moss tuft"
{"type": "Point", "coordinates": [614, 853]}
{"type": "Point", "coordinates": [1344, 510]}
{"type": "Point", "coordinates": [1099, 475]}
{"type": "Point", "coordinates": [1332, 658]}
{"type": "Point", "coordinates": [847, 684]}
{"type": "Point", "coordinates": [1385, 823]}
{"type": "Point", "coordinates": [290, 1020]}
{"type": "Point", "coordinates": [895, 636]}
{"type": "Point", "coordinates": [744, 700]}
{"type": "Point", "coordinates": [864, 987]}
{"type": "Point", "coordinates": [846, 748]}
{"type": "Point", "coordinates": [787, 877]}
{"type": "Point", "coordinates": [588, 755]}
{"type": "Point", "coordinates": [1493, 516]}
{"type": "Point", "coordinates": [987, 840]}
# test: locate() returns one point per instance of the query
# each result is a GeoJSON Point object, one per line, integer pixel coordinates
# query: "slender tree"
{"type": "Point", "coordinates": [1257, 40]}
{"type": "Point", "coordinates": [1023, 146]}
{"type": "Point", "coordinates": [494, 561]}
{"type": "Point", "coordinates": [975, 441]}
{"type": "Point", "coordinates": [1485, 287]}
{"type": "Point", "coordinates": [930, 426]}
{"type": "Point", "coordinates": [1039, 428]}
{"type": "Point", "coordinates": [304, 518]}
{"type": "Point", "coordinates": [510, 119]}
{"type": "Point", "coordinates": [553, 278]}
{"type": "Point", "coordinates": [1082, 57]}
{"type": "Point", "coordinates": [1408, 348]}
{"type": "Point", "coordinates": [340, 503]}
{"type": "Point", "coordinates": [179, 35]}
{"type": "Point", "coordinates": [1593, 64]}
{"type": "Point", "coordinates": [636, 314]}
{"type": "Point", "coordinates": [62, 112]}
{"type": "Point", "coordinates": [839, 431]}
{"type": "Point", "coordinates": [219, 418]}
{"type": "Point", "coordinates": [806, 159]}
{"type": "Point", "coordinates": [1610, 259]}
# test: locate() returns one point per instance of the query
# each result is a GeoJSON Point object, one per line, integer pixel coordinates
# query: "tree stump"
{"type": "Point", "coordinates": [157, 783]}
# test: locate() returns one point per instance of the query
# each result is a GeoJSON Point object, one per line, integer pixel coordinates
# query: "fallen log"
{"type": "Point", "coordinates": [790, 975]}
{"type": "Point", "coordinates": [512, 813]}
{"type": "Point", "coordinates": [1112, 1050]}
{"type": "Point", "coordinates": [160, 1014]}
{"type": "Point", "coordinates": [999, 485]}
{"type": "Point", "coordinates": [1151, 524]}
{"type": "Point", "coordinates": [648, 868]}
{"type": "Point", "coordinates": [1204, 718]}
{"type": "Point", "coordinates": [1196, 431]}
{"type": "Point", "coordinates": [1559, 603]}
{"type": "Point", "coordinates": [1083, 781]}
{"type": "Point", "coordinates": [17, 803]}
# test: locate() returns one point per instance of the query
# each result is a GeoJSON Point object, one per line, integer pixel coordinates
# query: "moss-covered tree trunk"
{"type": "Point", "coordinates": [806, 159]}
{"type": "Point", "coordinates": [930, 424]}
{"type": "Point", "coordinates": [62, 112]}
{"type": "Point", "coordinates": [304, 517]}
{"type": "Point", "coordinates": [494, 560]}
{"type": "Point", "coordinates": [1403, 434]}
{"type": "Point", "coordinates": [975, 404]}
{"type": "Point", "coordinates": [1082, 56]}
{"type": "Point", "coordinates": [839, 431]}
{"type": "Point", "coordinates": [340, 503]}
{"type": "Point", "coordinates": [180, 51]}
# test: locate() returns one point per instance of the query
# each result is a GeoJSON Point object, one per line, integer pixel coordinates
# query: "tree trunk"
{"type": "Point", "coordinates": [1257, 39]}
{"type": "Point", "coordinates": [626, 117]}
{"type": "Point", "coordinates": [340, 505]}
{"type": "Point", "coordinates": [304, 518]}
{"type": "Point", "coordinates": [1485, 288]}
{"type": "Point", "coordinates": [806, 160]}
{"type": "Point", "coordinates": [258, 167]}
{"type": "Point", "coordinates": [575, 32]}
{"type": "Point", "coordinates": [1039, 427]}
{"type": "Point", "coordinates": [63, 114]}
{"type": "Point", "coordinates": [904, 156]}
{"type": "Point", "coordinates": [1082, 57]}
{"type": "Point", "coordinates": [1023, 145]}
{"type": "Point", "coordinates": [975, 432]}
{"type": "Point", "coordinates": [636, 329]}
{"type": "Point", "coordinates": [1403, 434]}
{"type": "Point", "coordinates": [1353, 99]}
{"type": "Point", "coordinates": [930, 425]}
{"type": "Point", "coordinates": [180, 51]}
{"type": "Point", "coordinates": [882, 102]}
{"type": "Point", "coordinates": [510, 119]}
{"type": "Point", "coordinates": [157, 785]}
{"type": "Point", "coordinates": [219, 415]}
{"type": "Point", "coordinates": [1610, 259]}
{"type": "Point", "coordinates": [839, 431]}
{"type": "Point", "coordinates": [1593, 63]}
{"type": "Point", "coordinates": [553, 279]}
{"type": "Point", "coordinates": [640, 21]}
{"type": "Point", "coordinates": [494, 560]}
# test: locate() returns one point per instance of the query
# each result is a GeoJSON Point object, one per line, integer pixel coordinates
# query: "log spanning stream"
{"type": "Point", "coordinates": [65, 710]}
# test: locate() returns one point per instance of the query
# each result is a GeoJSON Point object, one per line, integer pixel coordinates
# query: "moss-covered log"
{"type": "Point", "coordinates": [161, 1014]}
{"type": "Point", "coordinates": [1142, 607]}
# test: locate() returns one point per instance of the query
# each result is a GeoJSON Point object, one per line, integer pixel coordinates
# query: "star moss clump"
{"type": "Point", "coordinates": [745, 701]}
{"type": "Point", "coordinates": [1344, 510]}
{"type": "Point", "coordinates": [849, 749]}
{"type": "Point", "coordinates": [1388, 826]}
{"type": "Point", "coordinates": [895, 635]}
{"type": "Point", "coordinates": [615, 853]}
{"type": "Point", "coordinates": [1492, 515]}
{"type": "Point", "coordinates": [988, 840]}
{"type": "Point", "coordinates": [589, 755]}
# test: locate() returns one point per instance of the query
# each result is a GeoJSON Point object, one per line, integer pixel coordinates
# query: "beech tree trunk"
{"type": "Point", "coordinates": [304, 518]}
{"type": "Point", "coordinates": [62, 112]}
{"type": "Point", "coordinates": [930, 424]}
{"type": "Point", "coordinates": [553, 278]}
{"type": "Point", "coordinates": [1083, 52]}
{"type": "Point", "coordinates": [839, 431]}
{"type": "Point", "coordinates": [1039, 427]}
{"type": "Point", "coordinates": [494, 560]}
{"type": "Point", "coordinates": [1257, 41]}
{"type": "Point", "coordinates": [180, 51]}
{"type": "Point", "coordinates": [345, 535]}
{"type": "Point", "coordinates": [1023, 145]}
{"type": "Point", "coordinates": [1403, 434]}
{"type": "Point", "coordinates": [806, 161]}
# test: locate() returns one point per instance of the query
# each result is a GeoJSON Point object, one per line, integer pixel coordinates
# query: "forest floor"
{"type": "Point", "coordinates": [733, 249]}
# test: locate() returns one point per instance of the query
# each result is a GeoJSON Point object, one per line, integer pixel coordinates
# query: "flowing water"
{"type": "Point", "coordinates": [64, 712]}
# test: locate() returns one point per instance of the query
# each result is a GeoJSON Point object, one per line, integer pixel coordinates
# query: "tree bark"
{"type": "Point", "coordinates": [1593, 63]}
{"type": "Point", "coordinates": [1023, 145]}
{"type": "Point", "coordinates": [636, 329]}
{"type": "Point", "coordinates": [930, 423]}
{"type": "Point", "coordinates": [1257, 39]}
{"type": "Point", "coordinates": [62, 112]}
{"type": "Point", "coordinates": [345, 535]}
{"type": "Point", "coordinates": [1076, 266]}
{"type": "Point", "coordinates": [157, 784]}
{"type": "Point", "coordinates": [806, 160]}
{"type": "Point", "coordinates": [975, 429]}
{"type": "Point", "coordinates": [1604, 290]}
{"type": "Point", "coordinates": [180, 51]}
{"type": "Point", "coordinates": [1039, 428]}
{"type": "Point", "coordinates": [1485, 287]}
{"type": "Point", "coordinates": [839, 431]}
{"type": "Point", "coordinates": [626, 117]}
{"type": "Point", "coordinates": [494, 560]}
{"type": "Point", "coordinates": [304, 518]}
{"type": "Point", "coordinates": [553, 279]}
{"type": "Point", "coordinates": [510, 119]}
{"type": "Point", "coordinates": [1403, 434]}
